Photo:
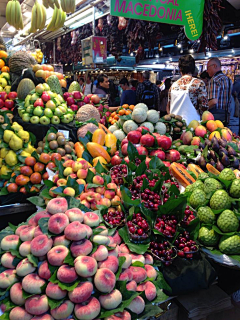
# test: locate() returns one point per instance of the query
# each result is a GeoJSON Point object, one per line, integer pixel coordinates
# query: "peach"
{"type": "Point", "coordinates": [116, 237]}
{"type": "Point", "coordinates": [81, 181]}
{"type": "Point", "coordinates": [37, 305]}
{"type": "Point", "coordinates": [25, 248]}
{"type": "Point", "coordinates": [151, 272]}
{"type": "Point", "coordinates": [66, 274]}
{"type": "Point", "coordinates": [75, 231]}
{"type": "Point", "coordinates": [87, 310]}
{"type": "Point", "coordinates": [57, 223]}
{"type": "Point", "coordinates": [16, 294]}
{"type": "Point", "coordinates": [98, 180]}
{"type": "Point", "coordinates": [101, 253]}
{"type": "Point", "coordinates": [7, 278]}
{"type": "Point", "coordinates": [85, 266]}
{"type": "Point", "coordinates": [207, 116]}
{"type": "Point", "coordinates": [82, 173]}
{"type": "Point", "coordinates": [55, 292]}
{"type": "Point", "coordinates": [114, 252]}
{"type": "Point", "coordinates": [132, 286]}
{"type": "Point", "coordinates": [42, 214]}
{"type": "Point", "coordinates": [25, 267]}
{"type": "Point", "coordinates": [10, 242]}
{"type": "Point", "coordinates": [123, 248]}
{"type": "Point", "coordinates": [98, 239]}
{"type": "Point", "coordinates": [211, 125]}
{"type": "Point", "coordinates": [81, 248]}
{"type": "Point", "coordinates": [81, 293]}
{"type": "Point", "coordinates": [105, 202]}
{"type": "Point", "coordinates": [100, 190]}
{"type": "Point", "coordinates": [57, 255]}
{"type": "Point", "coordinates": [112, 186]}
{"type": "Point", "coordinates": [44, 271]}
{"type": "Point", "coordinates": [128, 260]}
{"type": "Point", "coordinates": [126, 275]}
{"type": "Point", "coordinates": [55, 178]}
{"type": "Point", "coordinates": [18, 313]}
{"type": "Point", "coordinates": [68, 163]}
{"type": "Point", "coordinates": [69, 191]}
{"type": "Point", "coordinates": [51, 192]}
{"type": "Point", "coordinates": [139, 274]}
{"type": "Point", "coordinates": [109, 194]}
{"type": "Point", "coordinates": [226, 134]}
{"type": "Point", "coordinates": [61, 182]}
{"type": "Point", "coordinates": [91, 219]}
{"type": "Point", "coordinates": [125, 315]}
{"type": "Point", "coordinates": [74, 214]}
{"type": "Point", "coordinates": [19, 229]}
{"type": "Point", "coordinates": [37, 232]}
{"type": "Point", "coordinates": [88, 230]}
{"type": "Point", "coordinates": [148, 258]}
{"type": "Point", "coordinates": [57, 205]}
{"type": "Point", "coordinates": [67, 171]}
{"type": "Point", "coordinates": [149, 289]}
{"type": "Point", "coordinates": [116, 201]}
{"type": "Point", "coordinates": [110, 263]}
{"type": "Point", "coordinates": [76, 166]}
{"type": "Point", "coordinates": [43, 317]}
{"type": "Point", "coordinates": [137, 258]}
{"type": "Point", "coordinates": [27, 234]}
{"type": "Point", "coordinates": [41, 245]}
{"type": "Point", "coordinates": [111, 241]}
{"type": "Point", "coordinates": [137, 305]}
{"type": "Point", "coordinates": [200, 131]}
{"type": "Point", "coordinates": [63, 311]}
{"type": "Point", "coordinates": [61, 241]}
{"type": "Point", "coordinates": [104, 280]}
{"type": "Point", "coordinates": [195, 141]}
{"type": "Point", "coordinates": [32, 222]}
{"type": "Point", "coordinates": [32, 283]}
{"type": "Point", "coordinates": [85, 164]}
{"type": "Point", "coordinates": [7, 260]}
{"type": "Point", "coordinates": [111, 300]}
{"type": "Point", "coordinates": [104, 231]}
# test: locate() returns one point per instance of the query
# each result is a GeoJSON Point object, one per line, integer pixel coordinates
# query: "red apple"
{"type": "Point", "coordinates": [5, 109]}
{"type": "Point", "coordinates": [134, 136]}
{"type": "Point", "coordinates": [80, 103]}
{"type": "Point", "coordinates": [38, 103]}
{"type": "Point", "coordinates": [124, 149]}
{"type": "Point", "coordinates": [67, 95]}
{"type": "Point", "coordinates": [159, 153]}
{"type": "Point", "coordinates": [74, 107]}
{"type": "Point", "coordinates": [1, 103]}
{"type": "Point", "coordinates": [164, 142]}
{"type": "Point", "coordinates": [3, 95]}
{"type": "Point", "coordinates": [116, 160]}
{"type": "Point", "coordinates": [173, 155]}
{"type": "Point", "coordinates": [147, 140]}
{"type": "Point", "coordinates": [167, 164]}
{"type": "Point", "coordinates": [45, 96]}
{"type": "Point", "coordinates": [142, 151]}
{"type": "Point", "coordinates": [77, 95]}
{"type": "Point", "coordinates": [126, 159]}
{"type": "Point", "coordinates": [124, 141]}
{"type": "Point", "coordinates": [12, 95]}
{"type": "Point", "coordinates": [9, 104]}
{"type": "Point", "coordinates": [70, 101]}
{"type": "Point", "coordinates": [95, 99]}
{"type": "Point", "coordinates": [141, 128]}
{"type": "Point", "coordinates": [86, 100]}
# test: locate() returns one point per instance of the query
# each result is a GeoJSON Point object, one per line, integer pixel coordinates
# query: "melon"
{"type": "Point", "coordinates": [153, 116]}
{"type": "Point", "coordinates": [148, 125]}
{"type": "Point", "coordinates": [139, 115]}
{"type": "Point", "coordinates": [141, 106]}
{"type": "Point", "coordinates": [25, 86]}
{"type": "Point", "coordinates": [160, 128]}
{"type": "Point", "coordinates": [129, 125]}
{"type": "Point", "coordinates": [74, 86]}
{"type": "Point", "coordinates": [119, 134]}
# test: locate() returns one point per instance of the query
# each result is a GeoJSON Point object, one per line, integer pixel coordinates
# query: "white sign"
{"type": "Point", "coordinates": [65, 133]}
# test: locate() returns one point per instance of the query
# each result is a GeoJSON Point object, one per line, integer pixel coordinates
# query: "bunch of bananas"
{"type": "Point", "coordinates": [68, 6]}
{"type": "Point", "coordinates": [58, 19]}
{"type": "Point", "coordinates": [50, 3]}
{"type": "Point", "coordinates": [39, 16]}
{"type": "Point", "coordinates": [14, 14]}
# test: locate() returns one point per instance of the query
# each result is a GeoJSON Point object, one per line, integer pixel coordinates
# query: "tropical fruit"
{"type": "Point", "coordinates": [206, 215]}
{"type": "Point", "coordinates": [220, 200]}
{"type": "Point", "coordinates": [211, 185]}
{"type": "Point", "coordinates": [198, 185]}
{"type": "Point", "coordinates": [227, 221]}
{"type": "Point", "coordinates": [197, 198]}
{"type": "Point", "coordinates": [227, 174]}
{"type": "Point", "coordinates": [24, 87]}
{"type": "Point", "coordinates": [235, 189]}
{"type": "Point", "coordinates": [54, 84]}
{"type": "Point", "coordinates": [74, 86]}
{"type": "Point", "coordinates": [208, 237]}
{"type": "Point", "coordinates": [230, 245]}
{"type": "Point", "coordinates": [203, 176]}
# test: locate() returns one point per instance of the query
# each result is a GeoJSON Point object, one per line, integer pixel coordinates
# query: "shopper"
{"type": "Point", "coordinates": [205, 78]}
{"type": "Point", "coordinates": [164, 97]}
{"type": "Point", "coordinates": [102, 86]}
{"type": "Point", "coordinates": [88, 86]}
{"type": "Point", "coordinates": [134, 84]}
{"type": "Point", "coordinates": [81, 83]}
{"type": "Point", "coordinates": [219, 91]}
{"type": "Point", "coordinates": [128, 96]}
{"type": "Point", "coordinates": [148, 93]}
{"type": "Point", "coordinates": [187, 96]}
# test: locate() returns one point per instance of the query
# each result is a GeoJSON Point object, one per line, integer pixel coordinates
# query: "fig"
{"type": "Point", "coordinates": [215, 146]}
{"type": "Point", "coordinates": [214, 140]}
{"type": "Point", "coordinates": [223, 142]}
{"type": "Point", "coordinates": [202, 162]}
{"type": "Point", "coordinates": [231, 151]}
{"type": "Point", "coordinates": [235, 163]}
{"type": "Point", "coordinates": [213, 155]}
{"type": "Point", "coordinates": [212, 162]}
{"type": "Point", "coordinates": [201, 145]}
{"type": "Point", "coordinates": [53, 144]}
{"type": "Point", "coordinates": [219, 166]}
{"type": "Point", "coordinates": [222, 151]}
{"type": "Point", "coordinates": [51, 136]}
{"type": "Point", "coordinates": [225, 160]}
{"type": "Point", "coordinates": [208, 143]}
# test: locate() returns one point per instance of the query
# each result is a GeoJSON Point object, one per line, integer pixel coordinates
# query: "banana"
{"type": "Point", "coordinates": [58, 20]}
{"type": "Point", "coordinates": [18, 15]}
{"type": "Point", "coordinates": [13, 13]}
{"type": "Point", "coordinates": [57, 4]}
{"type": "Point", "coordinates": [8, 12]}
{"type": "Point", "coordinates": [33, 28]}
{"type": "Point", "coordinates": [63, 19]}
{"type": "Point", "coordinates": [51, 3]}
{"type": "Point", "coordinates": [45, 3]}
{"type": "Point", "coordinates": [44, 15]}
{"type": "Point", "coordinates": [72, 6]}
{"type": "Point", "coordinates": [63, 5]}
{"type": "Point", "coordinates": [39, 15]}
{"type": "Point", "coordinates": [51, 25]}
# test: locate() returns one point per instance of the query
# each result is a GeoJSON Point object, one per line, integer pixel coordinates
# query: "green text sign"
{"type": "Point", "coordinates": [188, 13]}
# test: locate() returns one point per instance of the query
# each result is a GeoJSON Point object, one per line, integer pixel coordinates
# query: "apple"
{"type": "Point", "coordinates": [74, 107]}
{"type": "Point", "coordinates": [12, 95]}
{"type": "Point", "coordinates": [55, 120]}
{"type": "Point", "coordinates": [164, 142]}
{"type": "Point", "coordinates": [66, 118]}
{"type": "Point", "coordinates": [77, 95]}
{"type": "Point", "coordinates": [39, 88]}
{"type": "Point", "coordinates": [26, 117]}
{"type": "Point", "coordinates": [141, 128]}
{"type": "Point", "coordinates": [44, 120]}
{"type": "Point", "coordinates": [63, 109]}
{"type": "Point", "coordinates": [70, 101]}
{"type": "Point", "coordinates": [38, 111]}
{"type": "Point", "coordinates": [45, 96]}
{"type": "Point", "coordinates": [58, 112]}
{"type": "Point", "coordinates": [3, 95]}
{"type": "Point", "coordinates": [51, 105]}
{"type": "Point", "coordinates": [1, 103]}
{"type": "Point", "coordinates": [9, 104]}
{"type": "Point", "coordinates": [159, 153]}
{"type": "Point", "coordinates": [95, 99]}
{"type": "Point", "coordinates": [48, 113]}
{"type": "Point", "coordinates": [147, 140]}
{"type": "Point", "coordinates": [38, 103]}
{"type": "Point", "coordinates": [80, 103]}
{"type": "Point", "coordinates": [29, 109]}
{"type": "Point", "coordinates": [34, 119]}
{"type": "Point", "coordinates": [67, 95]}
{"type": "Point", "coordinates": [142, 151]}
{"type": "Point", "coordinates": [124, 141]}
{"type": "Point", "coordinates": [173, 155]}
{"type": "Point", "coordinates": [86, 100]}
{"type": "Point", "coordinates": [134, 136]}
{"type": "Point", "coordinates": [46, 87]}
{"type": "Point", "coordinates": [116, 160]}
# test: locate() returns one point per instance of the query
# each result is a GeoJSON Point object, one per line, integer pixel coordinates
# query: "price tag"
{"type": "Point", "coordinates": [65, 133]}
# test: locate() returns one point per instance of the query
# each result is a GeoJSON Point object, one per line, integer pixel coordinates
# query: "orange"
{"type": "Point", "coordinates": [110, 119]}
{"type": "Point", "coordinates": [125, 106]}
{"type": "Point", "coordinates": [121, 112]}
{"type": "Point", "coordinates": [116, 117]}
{"type": "Point", "coordinates": [5, 69]}
{"type": "Point", "coordinates": [2, 63]}
{"type": "Point", "coordinates": [131, 107]}
{"type": "Point", "coordinates": [113, 114]}
{"type": "Point", "coordinates": [3, 54]}
{"type": "Point", "coordinates": [128, 112]}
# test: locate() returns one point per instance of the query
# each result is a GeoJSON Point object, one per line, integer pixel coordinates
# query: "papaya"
{"type": "Point", "coordinates": [181, 174]}
{"type": "Point", "coordinates": [97, 150]}
{"type": "Point", "coordinates": [101, 126]}
{"type": "Point", "coordinates": [111, 143]}
{"type": "Point", "coordinates": [195, 169]}
{"type": "Point", "coordinates": [211, 169]}
{"type": "Point", "coordinates": [99, 136]}
{"type": "Point", "coordinates": [101, 160]}
{"type": "Point", "coordinates": [79, 148]}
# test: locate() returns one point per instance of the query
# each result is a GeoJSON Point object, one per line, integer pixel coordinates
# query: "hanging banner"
{"type": "Point", "coordinates": [180, 12]}
{"type": "Point", "coordinates": [94, 50]}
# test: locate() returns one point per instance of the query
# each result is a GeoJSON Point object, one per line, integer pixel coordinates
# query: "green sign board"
{"type": "Point", "coordinates": [188, 13]}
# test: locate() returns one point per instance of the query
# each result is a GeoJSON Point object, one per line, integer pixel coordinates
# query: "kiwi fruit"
{"type": "Point", "coordinates": [68, 148]}
{"type": "Point", "coordinates": [1, 119]}
{"type": "Point", "coordinates": [40, 143]}
{"type": "Point", "coordinates": [184, 128]}
{"type": "Point", "coordinates": [53, 145]}
{"type": "Point", "coordinates": [61, 140]}
{"type": "Point", "coordinates": [177, 130]}
{"type": "Point", "coordinates": [44, 139]}
{"type": "Point", "coordinates": [58, 134]}
{"type": "Point", "coordinates": [69, 156]}
{"type": "Point", "coordinates": [178, 117]}
{"type": "Point", "coordinates": [51, 136]}
{"type": "Point", "coordinates": [39, 150]}
{"type": "Point", "coordinates": [179, 124]}
{"type": "Point", "coordinates": [167, 117]}
{"type": "Point", "coordinates": [71, 144]}
{"type": "Point", "coordinates": [172, 115]}
{"type": "Point", "coordinates": [61, 151]}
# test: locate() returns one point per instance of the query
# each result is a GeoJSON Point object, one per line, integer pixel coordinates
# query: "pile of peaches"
{"type": "Point", "coordinates": [63, 264]}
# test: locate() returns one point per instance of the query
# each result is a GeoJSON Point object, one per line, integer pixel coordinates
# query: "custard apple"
{"type": "Point", "coordinates": [211, 185]}
{"type": "Point", "coordinates": [198, 185]}
{"type": "Point", "coordinates": [235, 189]}
{"type": "Point", "coordinates": [220, 200]}
{"type": "Point", "coordinates": [189, 188]}
{"type": "Point", "coordinates": [227, 174]}
{"type": "Point", "coordinates": [208, 237]}
{"type": "Point", "coordinates": [197, 198]}
{"type": "Point", "coordinates": [227, 221]}
{"type": "Point", "coordinates": [203, 176]}
{"type": "Point", "coordinates": [206, 215]}
{"type": "Point", "coordinates": [230, 245]}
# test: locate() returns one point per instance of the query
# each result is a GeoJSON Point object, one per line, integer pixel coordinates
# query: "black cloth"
{"type": "Point", "coordinates": [29, 74]}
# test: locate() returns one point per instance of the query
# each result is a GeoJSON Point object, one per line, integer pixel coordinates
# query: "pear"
{"type": "Point", "coordinates": [15, 143]}
{"type": "Point", "coordinates": [16, 127]}
{"type": "Point", "coordinates": [7, 135]}
{"type": "Point", "coordinates": [11, 158]}
{"type": "Point", "coordinates": [24, 135]}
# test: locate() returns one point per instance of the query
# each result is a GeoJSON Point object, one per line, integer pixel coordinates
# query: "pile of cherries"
{"type": "Point", "coordinates": [114, 217]}
{"type": "Point", "coordinates": [188, 217]}
{"type": "Point", "coordinates": [138, 227]}
{"type": "Point", "coordinates": [118, 172]}
{"type": "Point", "coordinates": [163, 251]}
{"type": "Point", "coordinates": [151, 199]}
{"type": "Point", "coordinates": [166, 224]}
{"type": "Point", "coordinates": [186, 247]}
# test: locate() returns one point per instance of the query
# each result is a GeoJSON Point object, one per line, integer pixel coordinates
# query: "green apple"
{"type": "Point", "coordinates": [70, 116]}
{"type": "Point", "coordinates": [66, 118]}
{"type": "Point", "coordinates": [7, 89]}
{"type": "Point", "coordinates": [55, 120]}
{"type": "Point", "coordinates": [60, 98]}
{"type": "Point", "coordinates": [57, 101]}
{"type": "Point", "coordinates": [29, 109]}
{"type": "Point", "coordinates": [51, 94]}
{"type": "Point", "coordinates": [63, 109]}
{"type": "Point", "coordinates": [58, 112]}
{"type": "Point", "coordinates": [46, 87]}
{"type": "Point", "coordinates": [26, 117]}
{"type": "Point", "coordinates": [44, 120]}
{"type": "Point", "coordinates": [51, 105]}
{"type": "Point", "coordinates": [34, 119]}
{"type": "Point", "coordinates": [1, 89]}
{"type": "Point", "coordinates": [38, 111]}
{"type": "Point", "coordinates": [21, 112]}
{"type": "Point", "coordinates": [48, 113]}
{"type": "Point", "coordinates": [33, 98]}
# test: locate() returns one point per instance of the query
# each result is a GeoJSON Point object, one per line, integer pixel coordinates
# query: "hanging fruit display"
{"type": "Point", "coordinates": [58, 19]}
{"type": "Point", "coordinates": [14, 14]}
{"type": "Point", "coordinates": [68, 6]}
{"type": "Point", "coordinates": [39, 16]}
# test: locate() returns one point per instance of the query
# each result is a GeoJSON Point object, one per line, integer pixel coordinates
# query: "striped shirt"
{"type": "Point", "coordinates": [220, 88]}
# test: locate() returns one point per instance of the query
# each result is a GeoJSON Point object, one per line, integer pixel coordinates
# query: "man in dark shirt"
{"type": "Point", "coordinates": [102, 86]}
{"type": "Point", "coordinates": [148, 92]}
{"type": "Point", "coordinates": [128, 96]}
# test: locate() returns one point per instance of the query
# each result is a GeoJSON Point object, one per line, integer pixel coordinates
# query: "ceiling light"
{"type": "Point", "coordinates": [28, 14]}
{"type": "Point", "coordinates": [209, 54]}
{"type": "Point", "coordinates": [156, 55]}
{"type": "Point", "coordinates": [233, 51]}
{"type": "Point", "coordinates": [179, 45]}
{"type": "Point", "coordinates": [11, 29]}
{"type": "Point", "coordinates": [225, 37]}
{"type": "Point", "coordinates": [191, 51]}
{"type": "Point", "coordinates": [131, 54]}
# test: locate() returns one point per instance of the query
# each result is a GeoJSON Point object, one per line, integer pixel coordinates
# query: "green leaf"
{"type": "Point", "coordinates": [26, 294]}
{"type": "Point", "coordinates": [138, 264]}
{"type": "Point", "coordinates": [92, 120]}
{"type": "Point", "coordinates": [4, 191]}
{"type": "Point", "coordinates": [99, 168]}
{"type": "Point", "coordinates": [54, 303]}
{"type": "Point", "coordinates": [49, 183]}
{"type": "Point", "coordinates": [21, 159]}
{"type": "Point", "coordinates": [72, 202]}
{"type": "Point", "coordinates": [141, 169]}
{"type": "Point", "coordinates": [90, 176]}
{"type": "Point", "coordinates": [60, 168]}
{"type": "Point", "coordinates": [14, 228]}
{"type": "Point", "coordinates": [37, 201]}
{"type": "Point", "coordinates": [205, 152]}
{"type": "Point", "coordinates": [121, 261]}
{"type": "Point", "coordinates": [33, 259]}
{"type": "Point", "coordinates": [64, 286]}
{"type": "Point", "coordinates": [137, 248]}
{"type": "Point", "coordinates": [150, 311]}
{"type": "Point", "coordinates": [125, 118]}
{"type": "Point", "coordinates": [161, 283]}
{"type": "Point", "coordinates": [155, 163]}
{"type": "Point", "coordinates": [84, 208]}
{"type": "Point", "coordinates": [45, 193]}
{"type": "Point", "coordinates": [217, 230]}
{"type": "Point", "coordinates": [69, 259]}
{"type": "Point", "coordinates": [132, 152]}
{"type": "Point", "coordinates": [112, 231]}
{"type": "Point", "coordinates": [15, 253]}
{"type": "Point", "coordinates": [8, 304]}
{"type": "Point", "coordinates": [5, 315]}
{"type": "Point", "coordinates": [43, 224]}
{"type": "Point", "coordinates": [86, 156]}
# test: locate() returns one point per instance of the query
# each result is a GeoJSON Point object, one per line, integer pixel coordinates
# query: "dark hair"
{"type": "Point", "coordinates": [167, 83]}
{"type": "Point", "coordinates": [204, 75]}
{"type": "Point", "coordinates": [124, 81]}
{"type": "Point", "coordinates": [81, 79]}
{"type": "Point", "coordinates": [186, 64]}
{"type": "Point", "coordinates": [146, 75]}
{"type": "Point", "coordinates": [158, 82]}
{"type": "Point", "coordinates": [101, 77]}
{"type": "Point", "coordinates": [89, 77]}
{"type": "Point", "coordinates": [134, 83]}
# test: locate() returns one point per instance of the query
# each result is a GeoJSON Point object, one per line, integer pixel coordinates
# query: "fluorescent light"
{"type": "Point", "coordinates": [191, 51]}
{"type": "Point", "coordinates": [11, 29]}
{"type": "Point", "coordinates": [156, 55]}
{"type": "Point", "coordinates": [131, 54]}
{"type": "Point", "coordinates": [225, 37]}
{"type": "Point", "coordinates": [233, 51]}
